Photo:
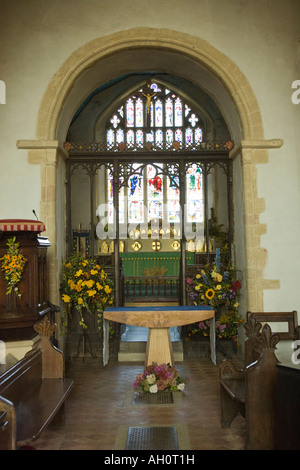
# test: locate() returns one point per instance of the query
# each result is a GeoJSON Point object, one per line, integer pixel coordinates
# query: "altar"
{"type": "Point", "coordinates": [135, 264]}
{"type": "Point", "coordinates": [159, 320]}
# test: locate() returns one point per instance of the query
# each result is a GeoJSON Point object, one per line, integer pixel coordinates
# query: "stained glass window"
{"type": "Point", "coordinates": [170, 119]}
{"type": "Point", "coordinates": [154, 201]}
{"type": "Point", "coordinates": [151, 193]}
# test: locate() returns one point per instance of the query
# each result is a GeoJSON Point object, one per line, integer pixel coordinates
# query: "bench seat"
{"type": "Point", "coordinates": [235, 388]}
{"type": "Point", "coordinates": [39, 408]}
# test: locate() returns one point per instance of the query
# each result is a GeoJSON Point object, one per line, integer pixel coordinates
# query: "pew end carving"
{"type": "Point", "coordinates": [251, 391]}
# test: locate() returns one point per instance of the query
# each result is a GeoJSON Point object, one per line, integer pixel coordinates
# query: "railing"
{"type": "Point", "coordinates": [152, 288]}
{"type": "Point", "coordinates": [94, 147]}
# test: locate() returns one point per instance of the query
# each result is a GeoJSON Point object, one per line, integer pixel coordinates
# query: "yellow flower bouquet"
{"type": "Point", "coordinates": [85, 286]}
{"type": "Point", "coordinates": [13, 265]}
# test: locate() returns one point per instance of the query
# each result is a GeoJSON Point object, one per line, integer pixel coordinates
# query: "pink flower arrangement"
{"type": "Point", "coordinates": [159, 378]}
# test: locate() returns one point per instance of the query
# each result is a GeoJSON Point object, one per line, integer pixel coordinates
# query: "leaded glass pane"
{"type": "Point", "coordinates": [198, 135]}
{"type": "Point", "coordinates": [129, 113]}
{"type": "Point", "coordinates": [195, 210]}
{"type": "Point", "coordinates": [169, 112]}
{"type": "Point", "coordinates": [136, 187]}
{"type": "Point", "coordinates": [155, 87]}
{"type": "Point", "coordinates": [187, 110]}
{"type": "Point", "coordinates": [110, 137]}
{"type": "Point", "coordinates": [193, 120]}
{"type": "Point", "coordinates": [173, 200]}
{"type": "Point", "coordinates": [158, 113]}
{"type": "Point", "coordinates": [139, 137]}
{"type": "Point", "coordinates": [115, 121]}
{"type": "Point", "coordinates": [178, 135]}
{"type": "Point", "coordinates": [155, 210]}
{"type": "Point", "coordinates": [195, 205]}
{"type": "Point", "coordinates": [174, 210]}
{"type": "Point", "coordinates": [159, 136]}
{"type": "Point", "coordinates": [150, 136]}
{"type": "Point", "coordinates": [188, 136]}
{"type": "Point", "coordinates": [178, 112]}
{"type": "Point", "coordinates": [151, 115]}
{"type": "Point", "coordinates": [130, 137]}
{"type": "Point", "coordinates": [169, 136]}
{"type": "Point", "coordinates": [135, 211]}
{"type": "Point", "coordinates": [139, 121]}
{"type": "Point", "coordinates": [120, 135]}
{"type": "Point", "coordinates": [120, 212]}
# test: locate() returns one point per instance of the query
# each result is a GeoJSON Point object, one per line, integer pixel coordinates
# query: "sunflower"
{"type": "Point", "coordinates": [209, 294]}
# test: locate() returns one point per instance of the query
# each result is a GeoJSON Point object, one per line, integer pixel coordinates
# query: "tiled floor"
{"type": "Point", "coordinates": [100, 406]}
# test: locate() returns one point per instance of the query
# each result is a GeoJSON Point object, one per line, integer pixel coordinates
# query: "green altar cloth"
{"type": "Point", "coordinates": [134, 264]}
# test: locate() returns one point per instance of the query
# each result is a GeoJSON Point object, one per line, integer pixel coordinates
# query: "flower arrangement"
{"type": "Point", "coordinates": [85, 285]}
{"type": "Point", "coordinates": [215, 285]}
{"type": "Point", "coordinates": [13, 265]}
{"type": "Point", "coordinates": [159, 378]}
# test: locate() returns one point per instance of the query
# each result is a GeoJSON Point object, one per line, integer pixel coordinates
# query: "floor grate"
{"type": "Point", "coordinates": [152, 438]}
{"type": "Point", "coordinates": [160, 398]}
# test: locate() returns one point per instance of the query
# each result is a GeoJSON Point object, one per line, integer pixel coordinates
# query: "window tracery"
{"type": "Point", "coordinates": [157, 115]}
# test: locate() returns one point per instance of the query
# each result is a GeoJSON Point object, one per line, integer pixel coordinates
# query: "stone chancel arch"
{"type": "Point", "coordinates": [192, 58]}
{"type": "Point", "coordinates": [196, 57]}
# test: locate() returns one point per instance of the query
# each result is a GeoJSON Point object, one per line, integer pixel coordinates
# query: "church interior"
{"type": "Point", "coordinates": [149, 287]}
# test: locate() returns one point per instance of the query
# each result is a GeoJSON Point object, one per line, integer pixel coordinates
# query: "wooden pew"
{"type": "Point", "coordinates": [252, 390]}
{"type": "Point", "coordinates": [33, 392]}
{"type": "Point", "coordinates": [291, 318]}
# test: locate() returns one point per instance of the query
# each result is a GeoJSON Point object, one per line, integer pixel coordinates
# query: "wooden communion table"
{"type": "Point", "coordinates": [159, 320]}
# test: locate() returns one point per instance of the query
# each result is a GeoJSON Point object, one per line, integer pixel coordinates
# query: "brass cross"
{"type": "Point", "coordinates": [156, 245]}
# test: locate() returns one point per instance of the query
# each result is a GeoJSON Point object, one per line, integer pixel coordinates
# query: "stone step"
{"type": "Point", "coordinates": [135, 351]}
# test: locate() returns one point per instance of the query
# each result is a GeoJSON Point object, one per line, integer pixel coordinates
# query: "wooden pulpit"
{"type": "Point", "coordinates": [18, 315]}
